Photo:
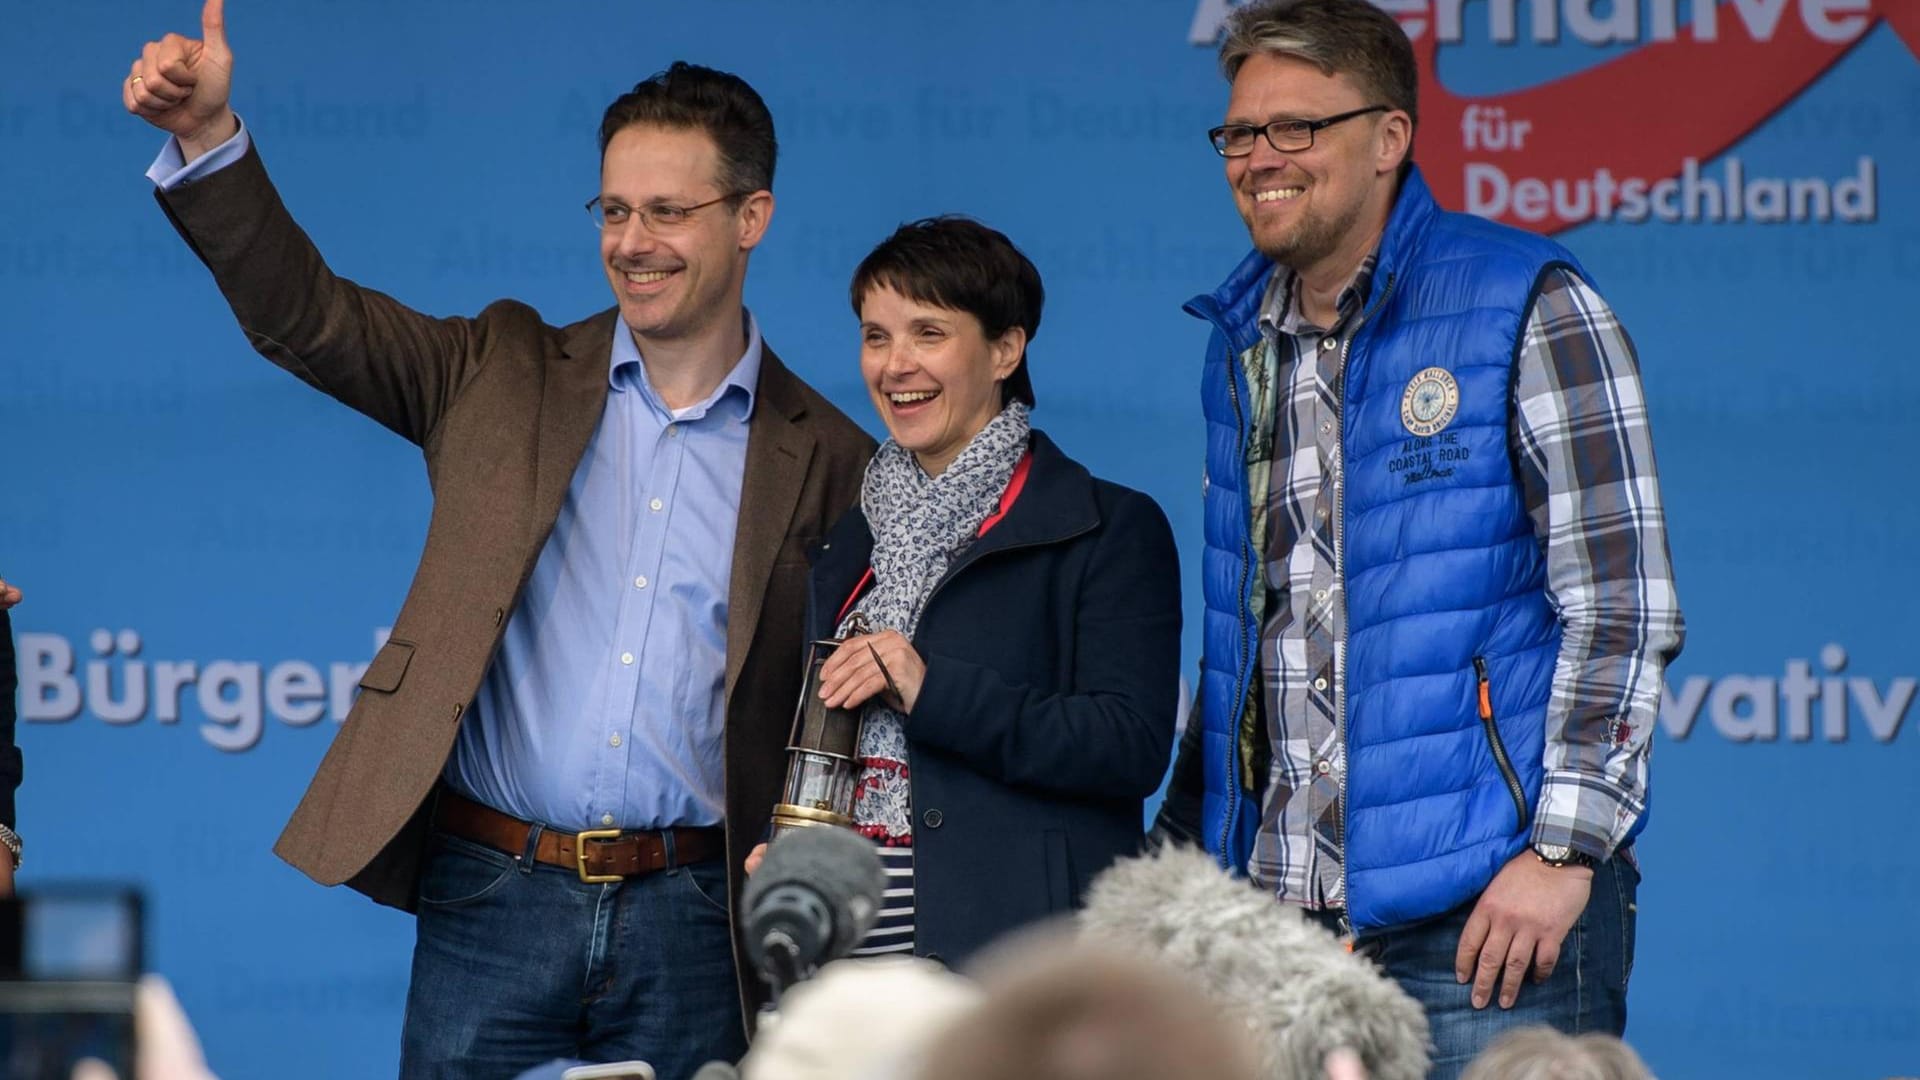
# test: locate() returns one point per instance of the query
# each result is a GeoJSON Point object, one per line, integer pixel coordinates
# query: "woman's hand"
{"type": "Point", "coordinates": [867, 665]}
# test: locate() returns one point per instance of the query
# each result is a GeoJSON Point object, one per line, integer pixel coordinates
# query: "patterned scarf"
{"type": "Point", "coordinates": [920, 524]}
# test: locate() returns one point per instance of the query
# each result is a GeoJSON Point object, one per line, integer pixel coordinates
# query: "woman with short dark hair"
{"type": "Point", "coordinates": [1012, 623]}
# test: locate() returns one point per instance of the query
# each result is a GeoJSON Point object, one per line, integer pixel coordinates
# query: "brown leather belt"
{"type": "Point", "coordinates": [597, 855]}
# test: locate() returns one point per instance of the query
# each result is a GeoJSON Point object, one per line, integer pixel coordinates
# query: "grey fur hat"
{"type": "Point", "coordinates": [1297, 989]}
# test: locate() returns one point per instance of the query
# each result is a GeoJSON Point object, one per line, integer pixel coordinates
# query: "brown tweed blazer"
{"type": "Point", "coordinates": [502, 405]}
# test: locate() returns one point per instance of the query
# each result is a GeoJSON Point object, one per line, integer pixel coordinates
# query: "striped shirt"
{"type": "Point", "coordinates": [893, 931]}
{"type": "Point", "coordinates": [1584, 462]}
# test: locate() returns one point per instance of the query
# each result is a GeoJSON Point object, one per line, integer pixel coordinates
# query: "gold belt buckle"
{"type": "Point", "coordinates": [580, 854]}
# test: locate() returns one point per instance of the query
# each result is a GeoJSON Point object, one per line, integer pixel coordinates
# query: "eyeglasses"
{"type": "Point", "coordinates": [1288, 136]}
{"type": "Point", "coordinates": [658, 218]}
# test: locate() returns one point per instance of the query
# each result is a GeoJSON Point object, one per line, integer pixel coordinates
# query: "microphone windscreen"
{"type": "Point", "coordinates": [865, 1017]}
{"type": "Point", "coordinates": [1299, 990]}
{"type": "Point", "coordinates": [839, 864]}
{"type": "Point", "coordinates": [716, 1070]}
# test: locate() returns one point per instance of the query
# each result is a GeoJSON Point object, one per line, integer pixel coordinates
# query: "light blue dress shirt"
{"type": "Point", "coordinates": [605, 703]}
{"type": "Point", "coordinates": [604, 706]}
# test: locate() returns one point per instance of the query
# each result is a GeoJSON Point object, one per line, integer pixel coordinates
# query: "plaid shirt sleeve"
{"type": "Point", "coordinates": [1585, 461]}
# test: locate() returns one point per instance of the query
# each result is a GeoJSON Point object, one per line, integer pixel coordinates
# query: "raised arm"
{"type": "Point", "coordinates": [368, 350]}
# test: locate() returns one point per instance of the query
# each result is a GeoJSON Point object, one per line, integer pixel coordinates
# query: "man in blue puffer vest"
{"type": "Point", "coordinates": [1438, 594]}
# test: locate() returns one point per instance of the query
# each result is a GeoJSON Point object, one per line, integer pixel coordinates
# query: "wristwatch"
{"type": "Point", "coordinates": [1558, 855]}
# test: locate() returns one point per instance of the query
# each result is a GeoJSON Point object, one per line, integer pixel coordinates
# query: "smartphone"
{"type": "Point", "coordinates": [70, 957]}
{"type": "Point", "coordinates": [612, 1070]}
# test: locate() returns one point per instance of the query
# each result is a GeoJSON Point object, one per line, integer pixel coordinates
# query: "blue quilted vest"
{"type": "Point", "coordinates": [1445, 583]}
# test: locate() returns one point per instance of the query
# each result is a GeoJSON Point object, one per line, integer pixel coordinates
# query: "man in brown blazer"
{"type": "Point", "coordinates": [576, 731]}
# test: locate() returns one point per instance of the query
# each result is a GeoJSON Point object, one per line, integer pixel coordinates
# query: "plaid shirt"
{"type": "Point", "coordinates": [1585, 466]}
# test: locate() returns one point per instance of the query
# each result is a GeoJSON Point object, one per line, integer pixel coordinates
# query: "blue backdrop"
{"type": "Point", "coordinates": [209, 549]}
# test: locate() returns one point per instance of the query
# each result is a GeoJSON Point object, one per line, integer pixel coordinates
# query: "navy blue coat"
{"type": "Point", "coordinates": [1046, 717]}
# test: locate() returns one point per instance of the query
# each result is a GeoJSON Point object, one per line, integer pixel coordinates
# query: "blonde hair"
{"type": "Point", "coordinates": [1340, 37]}
{"type": "Point", "coordinates": [1086, 1014]}
{"type": "Point", "coordinates": [1541, 1053]}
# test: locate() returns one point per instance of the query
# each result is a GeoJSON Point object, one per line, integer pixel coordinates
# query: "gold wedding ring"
{"type": "Point", "coordinates": [137, 78]}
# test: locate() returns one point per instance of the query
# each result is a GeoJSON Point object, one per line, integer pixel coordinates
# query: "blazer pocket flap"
{"type": "Point", "coordinates": [389, 667]}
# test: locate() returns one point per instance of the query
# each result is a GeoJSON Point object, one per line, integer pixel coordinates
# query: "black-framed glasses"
{"type": "Point", "coordinates": [656, 218]}
{"type": "Point", "coordinates": [1289, 135]}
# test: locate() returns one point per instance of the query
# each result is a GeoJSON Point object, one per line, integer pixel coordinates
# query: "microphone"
{"type": "Point", "coordinates": [1301, 993]}
{"type": "Point", "coordinates": [716, 1070]}
{"type": "Point", "coordinates": [816, 894]}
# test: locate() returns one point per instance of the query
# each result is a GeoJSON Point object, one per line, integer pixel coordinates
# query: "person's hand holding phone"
{"type": "Point", "coordinates": [168, 1048]}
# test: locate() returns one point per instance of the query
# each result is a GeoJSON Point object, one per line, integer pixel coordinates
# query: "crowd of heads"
{"type": "Point", "coordinates": [1136, 988]}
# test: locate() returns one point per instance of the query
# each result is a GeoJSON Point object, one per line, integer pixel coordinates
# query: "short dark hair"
{"type": "Point", "coordinates": [1349, 37]}
{"type": "Point", "coordinates": [959, 264]}
{"type": "Point", "coordinates": [688, 96]}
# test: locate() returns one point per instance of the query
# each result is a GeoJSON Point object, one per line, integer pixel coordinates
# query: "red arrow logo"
{"type": "Point", "coordinates": [1580, 141]}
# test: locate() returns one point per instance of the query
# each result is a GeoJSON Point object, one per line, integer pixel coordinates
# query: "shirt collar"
{"type": "Point", "coordinates": [1280, 310]}
{"type": "Point", "coordinates": [625, 372]}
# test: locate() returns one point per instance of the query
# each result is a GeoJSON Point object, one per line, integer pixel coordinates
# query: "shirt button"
{"type": "Point", "coordinates": [932, 819]}
{"type": "Point", "coordinates": [1327, 344]}
{"type": "Point", "coordinates": [1320, 597]}
{"type": "Point", "coordinates": [606, 819]}
{"type": "Point", "coordinates": [498, 615]}
{"type": "Point", "coordinates": [1321, 513]}
{"type": "Point", "coordinates": [1319, 684]}
{"type": "Point", "coordinates": [673, 431]}
{"type": "Point", "coordinates": [655, 505]}
{"type": "Point", "coordinates": [626, 658]}
{"type": "Point", "coordinates": [1326, 427]}
{"type": "Point", "coordinates": [1323, 766]}
{"type": "Point", "coordinates": [640, 582]}
{"type": "Point", "coordinates": [615, 740]}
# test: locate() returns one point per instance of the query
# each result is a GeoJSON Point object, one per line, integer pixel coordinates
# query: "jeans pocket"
{"type": "Point", "coordinates": [461, 872]}
{"type": "Point", "coordinates": [1626, 878]}
{"type": "Point", "coordinates": [709, 882]}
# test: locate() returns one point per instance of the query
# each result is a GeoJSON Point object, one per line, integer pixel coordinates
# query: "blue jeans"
{"type": "Point", "coordinates": [1586, 992]}
{"type": "Point", "coordinates": [518, 963]}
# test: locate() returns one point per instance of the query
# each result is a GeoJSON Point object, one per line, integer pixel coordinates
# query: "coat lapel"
{"type": "Point", "coordinates": [841, 561]}
{"type": "Point", "coordinates": [778, 453]}
{"type": "Point", "coordinates": [572, 400]}
{"type": "Point", "coordinates": [1057, 504]}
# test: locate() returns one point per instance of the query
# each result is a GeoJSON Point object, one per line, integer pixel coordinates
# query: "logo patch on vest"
{"type": "Point", "coordinates": [1430, 402]}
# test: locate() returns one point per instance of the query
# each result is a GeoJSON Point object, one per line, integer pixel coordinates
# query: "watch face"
{"type": "Point", "coordinates": [1554, 853]}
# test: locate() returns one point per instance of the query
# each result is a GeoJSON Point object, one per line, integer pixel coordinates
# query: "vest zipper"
{"type": "Point", "coordinates": [1494, 742]}
{"type": "Point", "coordinates": [1246, 569]}
{"type": "Point", "coordinates": [1340, 572]}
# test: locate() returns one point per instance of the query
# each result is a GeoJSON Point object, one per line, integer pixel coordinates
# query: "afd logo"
{"type": "Point", "coordinates": [1581, 148]}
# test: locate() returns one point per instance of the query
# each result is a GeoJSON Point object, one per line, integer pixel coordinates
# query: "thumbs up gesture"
{"type": "Point", "coordinates": [181, 85]}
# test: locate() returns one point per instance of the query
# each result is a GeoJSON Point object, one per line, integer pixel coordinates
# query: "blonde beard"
{"type": "Point", "coordinates": [1309, 241]}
